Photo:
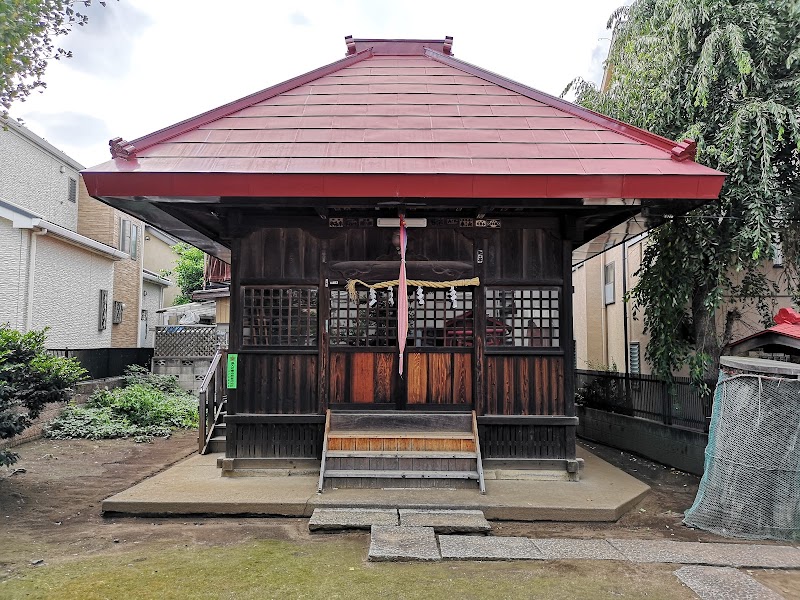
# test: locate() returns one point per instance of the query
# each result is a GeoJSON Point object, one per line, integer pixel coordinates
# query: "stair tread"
{"type": "Point", "coordinates": [399, 454]}
{"type": "Point", "coordinates": [378, 433]}
{"type": "Point", "coordinates": [370, 473]}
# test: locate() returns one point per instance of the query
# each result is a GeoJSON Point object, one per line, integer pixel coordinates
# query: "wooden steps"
{"type": "Point", "coordinates": [394, 449]}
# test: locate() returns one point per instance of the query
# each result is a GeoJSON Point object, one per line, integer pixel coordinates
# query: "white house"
{"type": "Point", "coordinates": [50, 275]}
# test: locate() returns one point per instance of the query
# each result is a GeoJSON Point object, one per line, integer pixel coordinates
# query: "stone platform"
{"type": "Point", "coordinates": [195, 487]}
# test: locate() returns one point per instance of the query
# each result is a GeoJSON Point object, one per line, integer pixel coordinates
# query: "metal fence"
{"type": "Point", "coordinates": [107, 362]}
{"type": "Point", "coordinates": [645, 396]}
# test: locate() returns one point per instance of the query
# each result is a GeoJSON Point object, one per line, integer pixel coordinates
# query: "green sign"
{"type": "Point", "coordinates": [233, 361]}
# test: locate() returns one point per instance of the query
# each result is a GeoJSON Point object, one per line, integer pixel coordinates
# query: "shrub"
{"type": "Point", "coordinates": [29, 379]}
{"type": "Point", "coordinates": [149, 406]}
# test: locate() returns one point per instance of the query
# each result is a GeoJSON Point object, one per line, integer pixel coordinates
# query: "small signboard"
{"type": "Point", "coordinates": [233, 361]}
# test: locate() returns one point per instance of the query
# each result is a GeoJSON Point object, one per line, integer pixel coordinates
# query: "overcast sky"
{"type": "Point", "coordinates": [140, 65]}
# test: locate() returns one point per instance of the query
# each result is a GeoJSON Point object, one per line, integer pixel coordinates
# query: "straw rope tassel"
{"type": "Point", "coordinates": [352, 283]}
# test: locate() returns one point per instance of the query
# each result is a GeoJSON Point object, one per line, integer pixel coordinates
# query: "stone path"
{"type": "Point", "coordinates": [724, 583]}
{"type": "Point", "coordinates": [442, 521]}
{"type": "Point", "coordinates": [411, 535]}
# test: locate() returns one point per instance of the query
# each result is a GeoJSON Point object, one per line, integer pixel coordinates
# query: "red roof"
{"type": "Point", "coordinates": [403, 118]}
{"type": "Point", "coordinates": [788, 326]}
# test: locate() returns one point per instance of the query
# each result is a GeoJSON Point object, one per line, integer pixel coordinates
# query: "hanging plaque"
{"type": "Point", "coordinates": [233, 361]}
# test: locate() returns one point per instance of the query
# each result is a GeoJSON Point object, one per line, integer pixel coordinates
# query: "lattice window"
{"type": "Point", "coordinates": [279, 316]}
{"type": "Point", "coordinates": [430, 324]}
{"type": "Point", "coordinates": [102, 318]}
{"type": "Point", "coordinates": [116, 316]}
{"type": "Point", "coordinates": [526, 317]}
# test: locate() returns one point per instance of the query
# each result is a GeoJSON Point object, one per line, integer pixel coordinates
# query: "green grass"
{"type": "Point", "coordinates": [328, 568]}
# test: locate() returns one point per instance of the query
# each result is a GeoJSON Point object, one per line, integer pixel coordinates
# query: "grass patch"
{"type": "Point", "coordinates": [148, 406]}
{"type": "Point", "coordinates": [328, 569]}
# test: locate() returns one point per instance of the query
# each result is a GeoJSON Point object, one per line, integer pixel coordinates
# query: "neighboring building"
{"type": "Point", "coordinates": [67, 261]}
{"type": "Point", "coordinates": [50, 274]}
{"type": "Point", "coordinates": [606, 333]}
{"type": "Point", "coordinates": [124, 232]}
{"type": "Point", "coordinates": [154, 289]}
{"type": "Point", "coordinates": [160, 257]}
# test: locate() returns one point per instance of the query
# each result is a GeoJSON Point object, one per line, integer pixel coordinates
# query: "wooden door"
{"type": "Point", "coordinates": [364, 360]}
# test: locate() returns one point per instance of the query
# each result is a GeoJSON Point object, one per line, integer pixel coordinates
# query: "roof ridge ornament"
{"type": "Point", "coordinates": [121, 149]}
{"type": "Point", "coordinates": [351, 45]}
{"type": "Point", "coordinates": [448, 45]}
{"type": "Point", "coordinates": [685, 150]}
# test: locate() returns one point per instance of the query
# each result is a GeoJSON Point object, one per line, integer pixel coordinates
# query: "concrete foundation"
{"type": "Point", "coordinates": [194, 486]}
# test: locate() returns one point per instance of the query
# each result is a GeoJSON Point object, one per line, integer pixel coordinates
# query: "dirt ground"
{"type": "Point", "coordinates": [50, 508]}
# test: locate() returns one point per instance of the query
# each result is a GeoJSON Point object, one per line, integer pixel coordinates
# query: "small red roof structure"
{"type": "Point", "coordinates": [783, 336]}
{"type": "Point", "coordinates": [399, 119]}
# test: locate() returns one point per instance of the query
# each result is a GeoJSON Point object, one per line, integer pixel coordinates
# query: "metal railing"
{"type": "Point", "coordinates": [678, 403]}
{"type": "Point", "coordinates": [212, 398]}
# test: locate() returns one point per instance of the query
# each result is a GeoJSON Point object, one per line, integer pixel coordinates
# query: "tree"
{"type": "Point", "coordinates": [726, 74]}
{"type": "Point", "coordinates": [29, 379]}
{"type": "Point", "coordinates": [28, 29]}
{"type": "Point", "coordinates": [188, 271]}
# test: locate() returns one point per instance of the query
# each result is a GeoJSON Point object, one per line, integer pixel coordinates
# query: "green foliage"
{"type": "Point", "coordinates": [726, 74]}
{"type": "Point", "coordinates": [29, 379]}
{"type": "Point", "coordinates": [148, 406]}
{"type": "Point", "coordinates": [188, 271]}
{"type": "Point", "coordinates": [27, 32]}
{"type": "Point", "coordinates": [138, 375]}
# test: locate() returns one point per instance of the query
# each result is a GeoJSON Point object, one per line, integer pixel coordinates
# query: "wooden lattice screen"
{"type": "Point", "coordinates": [526, 317]}
{"type": "Point", "coordinates": [434, 322]}
{"type": "Point", "coordinates": [186, 341]}
{"type": "Point", "coordinates": [279, 316]}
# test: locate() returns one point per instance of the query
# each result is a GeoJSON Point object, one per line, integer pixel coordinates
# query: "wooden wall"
{"type": "Point", "coordinates": [493, 381]}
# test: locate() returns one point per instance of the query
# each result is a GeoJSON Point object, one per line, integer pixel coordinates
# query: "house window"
{"type": "Point", "coordinates": [777, 250]}
{"type": "Point", "coordinates": [277, 316]}
{"type": "Point", "coordinates": [608, 284]}
{"type": "Point", "coordinates": [129, 238]}
{"type": "Point", "coordinates": [72, 190]}
{"type": "Point", "coordinates": [102, 320]}
{"type": "Point", "coordinates": [635, 358]}
{"type": "Point", "coordinates": [116, 317]}
{"type": "Point", "coordinates": [522, 317]}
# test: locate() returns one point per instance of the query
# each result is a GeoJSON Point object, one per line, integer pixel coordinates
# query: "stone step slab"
{"type": "Point", "coordinates": [337, 519]}
{"type": "Point", "coordinates": [446, 521]}
{"type": "Point", "coordinates": [402, 544]}
{"type": "Point", "coordinates": [724, 583]}
{"type": "Point", "coordinates": [470, 547]}
{"type": "Point", "coordinates": [703, 553]}
{"type": "Point", "coordinates": [577, 549]}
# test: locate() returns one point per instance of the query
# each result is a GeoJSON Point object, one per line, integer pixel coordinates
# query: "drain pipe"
{"type": "Point", "coordinates": [31, 275]}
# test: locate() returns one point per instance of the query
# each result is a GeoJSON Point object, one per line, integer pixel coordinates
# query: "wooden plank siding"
{"type": "Point", "coordinates": [440, 378]}
{"type": "Point", "coordinates": [524, 385]}
{"type": "Point", "coordinates": [363, 378]}
{"type": "Point", "coordinates": [278, 384]}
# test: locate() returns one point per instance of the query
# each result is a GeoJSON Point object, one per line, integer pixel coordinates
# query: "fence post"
{"type": "Point", "coordinates": [666, 404]}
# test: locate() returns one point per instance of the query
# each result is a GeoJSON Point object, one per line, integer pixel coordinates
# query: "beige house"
{"type": "Point", "coordinates": [159, 257]}
{"type": "Point", "coordinates": [607, 335]}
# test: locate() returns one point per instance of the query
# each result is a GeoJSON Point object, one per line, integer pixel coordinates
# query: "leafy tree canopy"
{"type": "Point", "coordinates": [28, 29]}
{"type": "Point", "coordinates": [29, 379]}
{"type": "Point", "coordinates": [725, 73]}
{"type": "Point", "coordinates": [188, 271]}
